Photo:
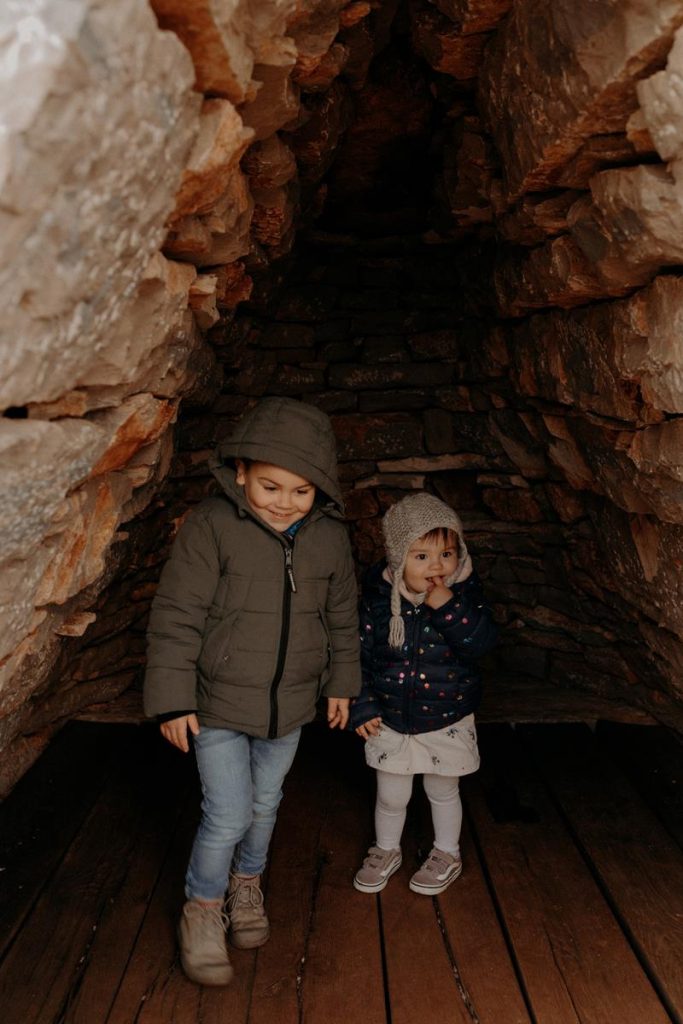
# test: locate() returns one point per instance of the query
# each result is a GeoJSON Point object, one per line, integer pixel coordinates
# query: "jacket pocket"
{"type": "Point", "coordinates": [216, 646]}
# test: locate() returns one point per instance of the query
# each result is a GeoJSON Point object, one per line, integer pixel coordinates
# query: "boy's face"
{"type": "Point", "coordinates": [430, 561]}
{"type": "Point", "coordinates": [275, 495]}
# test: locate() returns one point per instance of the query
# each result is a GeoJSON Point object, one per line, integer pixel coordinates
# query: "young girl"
{"type": "Point", "coordinates": [255, 617]}
{"type": "Point", "coordinates": [423, 622]}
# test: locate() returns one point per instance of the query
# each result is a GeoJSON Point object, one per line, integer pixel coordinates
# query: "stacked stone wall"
{"type": "Point", "coordinates": [157, 161]}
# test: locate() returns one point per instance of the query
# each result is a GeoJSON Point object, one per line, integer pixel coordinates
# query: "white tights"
{"type": "Point", "coordinates": [393, 794]}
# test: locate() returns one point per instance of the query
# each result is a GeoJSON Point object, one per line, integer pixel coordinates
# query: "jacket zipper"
{"type": "Point", "coordinates": [289, 588]}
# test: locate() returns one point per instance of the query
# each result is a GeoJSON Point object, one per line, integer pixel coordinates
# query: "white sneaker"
{"type": "Point", "coordinates": [377, 869]}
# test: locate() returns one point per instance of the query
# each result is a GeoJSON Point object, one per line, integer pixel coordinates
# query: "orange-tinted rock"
{"type": "Point", "coordinates": [233, 285]}
{"type": "Point", "coordinates": [474, 15]}
{"type": "Point", "coordinates": [632, 224]}
{"type": "Point", "coordinates": [273, 220]}
{"type": "Point", "coordinates": [203, 301]}
{"type": "Point", "coordinates": [536, 217]}
{"type": "Point", "coordinates": [222, 140]}
{"type": "Point", "coordinates": [225, 40]}
{"type": "Point", "coordinates": [467, 180]}
{"type": "Point", "coordinates": [315, 144]}
{"type": "Point", "coordinates": [230, 221]}
{"type": "Point", "coordinates": [316, 74]}
{"type": "Point", "coordinates": [275, 104]}
{"type": "Point", "coordinates": [269, 163]}
{"type": "Point", "coordinates": [190, 240]}
{"type": "Point", "coordinates": [554, 274]}
{"type": "Point", "coordinates": [560, 71]}
{"type": "Point", "coordinates": [443, 44]}
{"type": "Point", "coordinates": [138, 421]}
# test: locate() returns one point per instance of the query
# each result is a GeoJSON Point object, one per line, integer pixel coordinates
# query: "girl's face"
{"type": "Point", "coordinates": [275, 495]}
{"type": "Point", "coordinates": [430, 561]}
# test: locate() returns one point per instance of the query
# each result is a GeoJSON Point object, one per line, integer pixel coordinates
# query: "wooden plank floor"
{"type": "Point", "coordinates": [569, 909]}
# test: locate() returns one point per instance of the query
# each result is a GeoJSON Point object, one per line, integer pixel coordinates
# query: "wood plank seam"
{"type": "Point", "coordinates": [498, 911]}
{"type": "Point", "coordinates": [385, 964]}
{"type": "Point", "coordinates": [315, 891]}
{"type": "Point", "coordinates": [460, 985]}
{"type": "Point", "coordinates": [604, 891]}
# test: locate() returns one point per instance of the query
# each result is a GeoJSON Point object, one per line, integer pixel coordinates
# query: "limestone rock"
{"type": "Point", "coordinates": [273, 220]}
{"type": "Point", "coordinates": [560, 71]}
{"type": "Point", "coordinates": [467, 179]}
{"type": "Point", "coordinates": [316, 74]}
{"type": "Point", "coordinates": [84, 209]}
{"type": "Point", "coordinates": [219, 147]}
{"type": "Point", "coordinates": [276, 103]}
{"type": "Point", "coordinates": [203, 300]}
{"type": "Point", "coordinates": [649, 342]}
{"type": "Point", "coordinates": [226, 38]}
{"type": "Point", "coordinates": [474, 15]}
{"type": "Point", "coordinates": [661, 103]}
{"type": "Point", "coordinates": [137, 422]}
{"type": "Point", "coordinates": [443, 44]}
{"type": "Point", "coordinates": [573, 359]}
{"type": "Point", "coordinates": [633, 223]}
{"type": "Point", "coordinates": [269, 163]}
{"type": "Point", "coordinates": [315, 144]}
{"type": "Point", "coordinates": [536, 217]}
{"type": "Point", "coordinates": [557, 273]}
{"type": "Point", "coordinates": [190, 240]}
{"type": "Point", "coordinates": [230, 222]}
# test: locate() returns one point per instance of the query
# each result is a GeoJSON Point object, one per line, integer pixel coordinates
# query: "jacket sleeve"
{"type": "Point", "coordinates": [178, 617]}
{"type": "Point", "coordinates": [341, 612]}
{"type": "Point", "coordinates": [465, 621]}
{"type": "Point", "coordinates": [366, 706]}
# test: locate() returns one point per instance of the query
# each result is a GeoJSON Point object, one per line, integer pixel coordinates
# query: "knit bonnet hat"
{"type": "Point", "coordinates": [403, 524]}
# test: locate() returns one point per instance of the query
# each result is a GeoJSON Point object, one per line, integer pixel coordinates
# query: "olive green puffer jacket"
{"type": "Point", "coordinates": [233, 633]}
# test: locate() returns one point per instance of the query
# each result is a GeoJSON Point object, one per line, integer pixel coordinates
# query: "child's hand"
{"type": "Point", "coordinates": [368, 729]}
{"type": "Point", "coordinates": [337, 712]}
{"type": "Point", "coordinates": [438, 594]}
{"type": "Point", "coordinates": [175, 731]}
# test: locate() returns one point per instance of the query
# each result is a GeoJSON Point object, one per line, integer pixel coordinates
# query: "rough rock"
{"type": "Point", "coordinates": [661, 104]}
{"type": "Point", "coordinates": [631, 225]}
{"type": "Point", "coordinates": [444, 45]}
{"type": "Point", "coordinates": [276, 103]}
{"type": "Point", "coordinates": [474, 15]}
{"type": "Point", "coordinates": [219, 147]}
{"type": "Point", "coordinates": [227, 39]}
{"type": "Point", "coordinates": [557, 273]}
{"type": "Point", "coordinates": [560, 71]}
{"type": "Point", "coordinates": [83, 210]}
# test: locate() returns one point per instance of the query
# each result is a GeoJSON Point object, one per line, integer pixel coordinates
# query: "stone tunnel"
{"type": "Point", "coordinates": [454, 225]}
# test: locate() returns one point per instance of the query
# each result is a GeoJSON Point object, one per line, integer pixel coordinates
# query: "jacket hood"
{"type": "Point", "coordinates": [287, 433]}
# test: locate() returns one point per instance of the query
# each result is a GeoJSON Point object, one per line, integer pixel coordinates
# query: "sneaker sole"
{"type": "Point", "coordinates": [217, 977]}
{"type": "Point", "coordinates": [239, 943]}
{"type": "Point", "coordinates": [434, 890]}
{"type": "Point", "coordinates": [377, 886]}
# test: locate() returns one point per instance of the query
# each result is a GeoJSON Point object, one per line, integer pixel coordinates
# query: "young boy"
{"type": "Point", "coordinates": [254, 618]}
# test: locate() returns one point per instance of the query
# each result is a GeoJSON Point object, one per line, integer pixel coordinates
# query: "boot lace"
{"type": "Point", "coordinates": [246, 894]}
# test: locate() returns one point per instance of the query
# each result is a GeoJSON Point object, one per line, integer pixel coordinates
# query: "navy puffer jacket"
{"type": "Point", "coordinates": [432, 681]}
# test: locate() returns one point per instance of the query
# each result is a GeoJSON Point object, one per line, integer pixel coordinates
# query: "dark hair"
{"type": "Point", "coordinates": [442, 533]}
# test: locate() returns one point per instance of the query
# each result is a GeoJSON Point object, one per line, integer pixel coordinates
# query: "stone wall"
{"type": "Point", "coordinates": [156, 163]}
{"type": "Point", "coordinates": [142, 173]}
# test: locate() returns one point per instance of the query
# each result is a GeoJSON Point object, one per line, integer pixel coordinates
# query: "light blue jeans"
{"type": "Point", "coordinates": [241, 780]}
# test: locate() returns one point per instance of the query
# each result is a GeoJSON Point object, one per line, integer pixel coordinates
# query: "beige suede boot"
{"type": "Point", "coordinates": [201, 934]}
{"type": "Point", "coordinates": [249, 926]}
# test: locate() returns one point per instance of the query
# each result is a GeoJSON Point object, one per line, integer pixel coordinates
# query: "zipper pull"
{"type": "Point", "coordinates": [290, 569]}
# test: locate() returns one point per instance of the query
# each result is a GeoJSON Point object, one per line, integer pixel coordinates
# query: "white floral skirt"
{"type": "Point", "coordinates": [452, 750]}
